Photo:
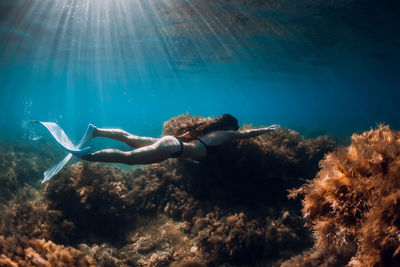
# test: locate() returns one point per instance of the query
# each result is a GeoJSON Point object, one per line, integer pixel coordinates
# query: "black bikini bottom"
{"type": "Point", "coordinates": [179, 152]}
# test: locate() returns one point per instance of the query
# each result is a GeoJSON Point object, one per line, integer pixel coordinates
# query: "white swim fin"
{"type": "Point", "coordinates": [61, 138]}
{"type": "Point", "coordinates": [64, 141]}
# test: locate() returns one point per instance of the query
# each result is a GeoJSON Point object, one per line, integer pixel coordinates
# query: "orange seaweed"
{"type": "Point", "coordinates": [352, 204]}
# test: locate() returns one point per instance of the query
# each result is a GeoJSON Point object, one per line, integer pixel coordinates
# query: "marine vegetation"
{"type": "Point", "coordinates": [22, 163]}
{"type": "Point", "coordinates": [352, 205]}
{"type": "Point", "coordinates": [25, 252]}
{"type": "Point", "coordinates": [228, 209]}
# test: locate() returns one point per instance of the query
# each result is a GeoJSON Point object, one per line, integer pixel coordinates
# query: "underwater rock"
{"type": "Point", "coordinates": [229, 208]}
{"type": "Point", "coordinates": [34, 220]}
{"type": "Point", "coordinates": [190, 263]}
{"type": "Point", "coordinates": [101, 201]}
{"type": "Point", "coordinates": [241, 172]}
{"type": "Point", "coordinates": [237, 240]}
{"type": "Point", "coordinates": [22, 163]}
{"type": "Point", "coordinates": [38, 252]}
{"type": "Point", "coordinates": [104, 202]}
{"type": "Point", "coordinates": [159, 241]}
{"type": "Point", "coordinates": [27, 216]}
{"type": "Point", "coordinates": [352, 204]}
{"type": "Point", "coordinates": [230, 239]}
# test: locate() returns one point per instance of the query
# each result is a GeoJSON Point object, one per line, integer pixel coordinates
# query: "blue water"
{"type": "Point", "coordinates": [316, 66]}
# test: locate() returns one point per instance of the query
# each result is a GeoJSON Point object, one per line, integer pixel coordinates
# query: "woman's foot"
{"type": "Point", "coordinates": [81, 153]}
{"type": "Point", "coordinates": [89, 134]}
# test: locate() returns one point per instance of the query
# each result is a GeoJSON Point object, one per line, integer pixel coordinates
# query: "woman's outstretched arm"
{"type": "Point", "coordinates": [221, 137]}
{"type": "Point", "coordinates": [253, 132]}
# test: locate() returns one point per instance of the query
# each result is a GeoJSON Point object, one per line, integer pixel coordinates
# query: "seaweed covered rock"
{"type": "Point", "coordinates": [22, 163]}
{"type": "Point", "coordinates": [352, 204]}
{"type": "Point", "coordinates": [102, 201]}
{"type": "Point", "coordinates": [35, 220]}
{"type": "Point", "coordinates": [156, 242]}
{"type": "Point", "coordinates": [256, 171]}
{"type": "Point", "coordinates": [238, 240]}
{"type": "Point", "coordinates": [228, 208]}
{"type": "Point", "coordinates": [230, 239]}
{"type": "Point", "coordinates": [38, 252]}
{"type": "Point", "coordinates": [189, 263]}
{"type": "Point", "coordinates": [237, 198]}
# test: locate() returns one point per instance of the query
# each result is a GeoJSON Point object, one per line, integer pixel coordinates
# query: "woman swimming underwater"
{"type": "Point", "coordinates": [197, 141]}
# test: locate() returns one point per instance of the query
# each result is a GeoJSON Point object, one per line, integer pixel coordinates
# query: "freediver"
{"type": "Point", "coordinates": [197, 141]}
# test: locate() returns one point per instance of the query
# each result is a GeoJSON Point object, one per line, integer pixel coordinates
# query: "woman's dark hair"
{"type": "Point", "coordinates": [225, 122]}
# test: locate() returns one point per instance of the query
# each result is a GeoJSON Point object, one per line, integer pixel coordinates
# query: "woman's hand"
{"type": "Point", "coordinates": [252, 132]}
{"type": "Point", "coordinates": [271, 128]}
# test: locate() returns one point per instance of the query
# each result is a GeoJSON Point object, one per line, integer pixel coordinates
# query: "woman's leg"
{"type": "Point", "coordinates": [109, 155]}
{"type": "Point", "coordinates": [159, 151]}
{"type": "Point", "coordinates": [129, 139]}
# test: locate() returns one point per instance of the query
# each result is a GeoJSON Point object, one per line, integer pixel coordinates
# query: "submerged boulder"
{"type": "Point", "coordinates": [229, 208]}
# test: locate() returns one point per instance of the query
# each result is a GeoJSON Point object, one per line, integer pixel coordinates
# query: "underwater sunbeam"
{"type": "Point", "coordinates": [166, 104]}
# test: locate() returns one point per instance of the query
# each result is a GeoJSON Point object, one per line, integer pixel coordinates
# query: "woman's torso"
{"type": "Point", "coordinates": [201, 146]}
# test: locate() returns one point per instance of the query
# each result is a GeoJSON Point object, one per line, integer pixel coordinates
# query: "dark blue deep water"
{"type": "Point", "coordinates": [315, 66]}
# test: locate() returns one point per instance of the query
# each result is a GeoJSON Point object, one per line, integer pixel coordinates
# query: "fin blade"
{"type": "Point", "coordinates": [62, 139]}
{"type": "Point", "coordinates": [50, 173]}
{"type": "Point", "coordinates": [59, 135]}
